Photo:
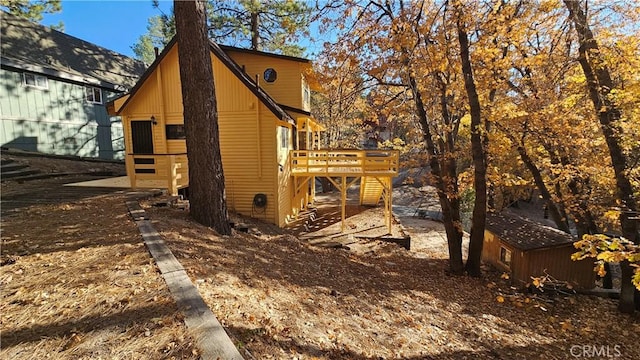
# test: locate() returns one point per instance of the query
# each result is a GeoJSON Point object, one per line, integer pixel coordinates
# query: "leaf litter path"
{"type": "Point", "coordinates": [281, 298]}
{"type": "Point", "coordinates": [77, 281]}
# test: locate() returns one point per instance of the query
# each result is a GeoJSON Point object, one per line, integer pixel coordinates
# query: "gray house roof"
{"type": "Point", "coordinates": [40, 49]}
{"type": "Point", "coordinates": [525, 234]}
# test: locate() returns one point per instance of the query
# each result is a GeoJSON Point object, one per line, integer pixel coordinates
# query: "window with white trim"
{"type": "Point", "coordinates": [34, 80]}
{"type": "Point", "coordinates": [306, 96]}
{"type": "Point", "coordinates": [505, 256]}
{"type": "Point", "coordinates": [93, 94]}
{"type": "Point", "coordinates": [284, 137]}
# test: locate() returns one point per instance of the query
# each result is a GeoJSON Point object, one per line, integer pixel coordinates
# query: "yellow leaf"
{"type": "Point", "coordinates": [500, 298]}
{"type": "Point", "coordinates": [636, 279]}
{"type": "Point", "coordinates": [566, 325]}
{"type": "Point", "coordinates": [536, 282]}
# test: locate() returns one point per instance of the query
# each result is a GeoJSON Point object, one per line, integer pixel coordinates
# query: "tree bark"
{"type": "Point", "coordinates": [556, 216]}
{"type": "Point", "coordinates": [255, 30]}
{"type": "Point", "coordinates": [207, 201]}
{"type": "Point", "coordinates": [600, 84]}
{"type": "Point", "coordinates": [450, 207]}
{"type": "Point", "coordinates": [478, 152]}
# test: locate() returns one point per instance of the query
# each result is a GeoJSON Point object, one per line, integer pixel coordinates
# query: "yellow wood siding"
{"type": "Point", "coordinates": [287, 89]}
{"type": "Point", "coordinates": [176, 146]}
{"type": "Point", "coordinates": [247, 135]}
{"type": "Point", "coordinates": [249, 169]}
{"type": "Point", "coordinates": [285, 183]}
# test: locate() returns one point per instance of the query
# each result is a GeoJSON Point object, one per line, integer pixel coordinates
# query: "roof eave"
{"type": "Point", "coordinates": [62, 75]}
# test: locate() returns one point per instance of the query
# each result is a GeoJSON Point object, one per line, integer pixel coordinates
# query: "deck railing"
{"type": "Point", "coordinates": [344, 162]}
{"type": "Point", "coordinates": [167, 171]}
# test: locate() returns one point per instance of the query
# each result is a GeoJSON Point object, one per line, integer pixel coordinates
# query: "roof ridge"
{"type": "Point", "coordinates": [37, 45]}
{"type": "Point", "coordinates": [231, 65]}
{"type": "Point", "coordinates": [50, 29]}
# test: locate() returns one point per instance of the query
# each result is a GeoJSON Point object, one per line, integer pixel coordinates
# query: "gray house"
{"type": "Point", "coordinates": [53, 91]}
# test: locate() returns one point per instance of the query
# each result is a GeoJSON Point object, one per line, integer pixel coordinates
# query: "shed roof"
{"type": "Point", "coordinates": [252, 85]}
{"type": "Point", "coordinates": [525, 234]}
{"type": "Point", "coordinates": [37, 48]}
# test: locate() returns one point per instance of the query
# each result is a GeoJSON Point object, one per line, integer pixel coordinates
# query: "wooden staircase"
{"type": "Point", "coordinates": [14, 170]}
{"type": "Point", "coordinates": [370, 190]}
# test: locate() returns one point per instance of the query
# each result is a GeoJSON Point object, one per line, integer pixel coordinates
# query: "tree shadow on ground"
{"type": "Point", "coordinates": [293, 346]}
{"type": "Point", "coordinates": [122, 319]}
{"type": "Point", "coordinates": [463, 306]}
{"type": "Point", "coordinates": [52, 191]}
{"type": "Point", "coordinates": [76, 216]}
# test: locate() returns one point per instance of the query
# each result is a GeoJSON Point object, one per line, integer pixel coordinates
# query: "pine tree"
{"type": "Point", "coordinates": [206, 176]}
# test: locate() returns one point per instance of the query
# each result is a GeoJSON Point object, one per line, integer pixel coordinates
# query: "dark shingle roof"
{"type": "Point", "coordinates": [37, 48]}
{"type": "Point", "coordinates": [227, 48]}
{"type": "Point", "coordinates": [525, 234]}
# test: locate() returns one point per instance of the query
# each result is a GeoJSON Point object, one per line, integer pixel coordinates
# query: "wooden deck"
{"type": "Point", "coordinates": [374, 169]}
{"type": "Point", "coordinates": [344, 162]}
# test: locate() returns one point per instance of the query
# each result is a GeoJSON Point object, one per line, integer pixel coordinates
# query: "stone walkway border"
{"type": "Point", "coordinates": [210, 336]}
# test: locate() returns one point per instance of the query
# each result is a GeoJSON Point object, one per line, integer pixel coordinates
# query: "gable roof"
{"type": "Point", "coordinates": [525, 234]}
{"type": "Point", "coordinates": [227, 48]}
{"type": "Point", "coordinates": [306, 64]}
{"type": "Point", "coordinates": [40, 49]}
{"type": "Point", "coordinates": [269, 102]}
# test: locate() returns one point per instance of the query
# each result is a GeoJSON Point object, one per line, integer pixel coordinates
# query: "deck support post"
{"type": "Point", "coordinates": [390, 204]}
{"type": "Point", "coordinates": [313, 190]}
{"type": "Point", "coordinates": [343, 191]}
{"type": "Point", "coordinates": [340, 165]}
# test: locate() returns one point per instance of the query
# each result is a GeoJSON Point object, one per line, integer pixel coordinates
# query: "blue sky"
{"type": "Point", "coordinates": [117, 24]}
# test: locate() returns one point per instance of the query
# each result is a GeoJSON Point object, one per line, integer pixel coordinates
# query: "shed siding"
{"type": "Point", "coordinates": [557, 263]}
{"type": "Point", "coordinates": [491, 253]}
{"type": "Point", "coordinates": [287, 89]}
{"type": "Point", "coordinates": [55, 120]}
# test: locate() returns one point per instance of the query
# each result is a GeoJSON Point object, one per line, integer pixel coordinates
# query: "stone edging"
{"type": "Point", "coordinates": [210, 336]}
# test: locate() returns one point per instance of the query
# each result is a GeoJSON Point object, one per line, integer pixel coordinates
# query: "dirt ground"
{"type": "Point", "coordinates": [78, 283]}
{"type": "Point", "coordinates": [76, 280]}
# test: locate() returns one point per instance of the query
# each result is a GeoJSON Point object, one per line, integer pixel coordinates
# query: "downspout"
{"type": "Point", "coordinates": [258, 132]}
{"type": "Point", "coordinates": [162, 107]}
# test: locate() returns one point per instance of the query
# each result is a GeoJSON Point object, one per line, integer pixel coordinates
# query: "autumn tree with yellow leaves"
{"type": "Point", "coordinates": [507, 94]}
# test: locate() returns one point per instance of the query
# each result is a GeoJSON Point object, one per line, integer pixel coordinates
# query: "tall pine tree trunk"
{"type": "Point", "coordinates": [206, 178]}
{"type": "Point", "coordinates": [600, 84]}
{"type": "Point", "coordinates": [255, 31]}
{"type": "Point", "coordinates": [479, 215]}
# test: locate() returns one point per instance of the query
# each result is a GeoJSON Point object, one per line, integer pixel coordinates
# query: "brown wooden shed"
{"type": "Point", "coordinates": [527, 249]}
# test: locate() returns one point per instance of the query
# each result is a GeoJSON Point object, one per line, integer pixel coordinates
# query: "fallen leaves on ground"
{"type": "Point", "coordinates": [78, 283]}
{"type": "Point", "coordinates": [280, 298]}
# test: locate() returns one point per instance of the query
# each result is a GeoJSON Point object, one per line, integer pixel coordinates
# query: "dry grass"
{"type": "Point", "coordinates": [77, 283]}
{"type": "Point", "coordinates": [282, 299]}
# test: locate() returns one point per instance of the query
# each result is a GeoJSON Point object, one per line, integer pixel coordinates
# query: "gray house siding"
{"type": "Point", "coordinates": [57, 119]}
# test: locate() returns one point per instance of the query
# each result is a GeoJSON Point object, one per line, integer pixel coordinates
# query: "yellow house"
{"type": "Point", "coordinates": [269, 142]}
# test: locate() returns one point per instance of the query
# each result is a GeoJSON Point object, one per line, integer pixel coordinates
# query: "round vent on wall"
{"type": "Point", "coordinates": [270, 75]}
{"type": "Point", "coordinates": [260, 200]}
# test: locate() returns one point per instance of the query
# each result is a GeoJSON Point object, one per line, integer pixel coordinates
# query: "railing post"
{"type": "Point", "coordinates": [131, 170]}
{"type": "Point", "coordinates": [173, 176]}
